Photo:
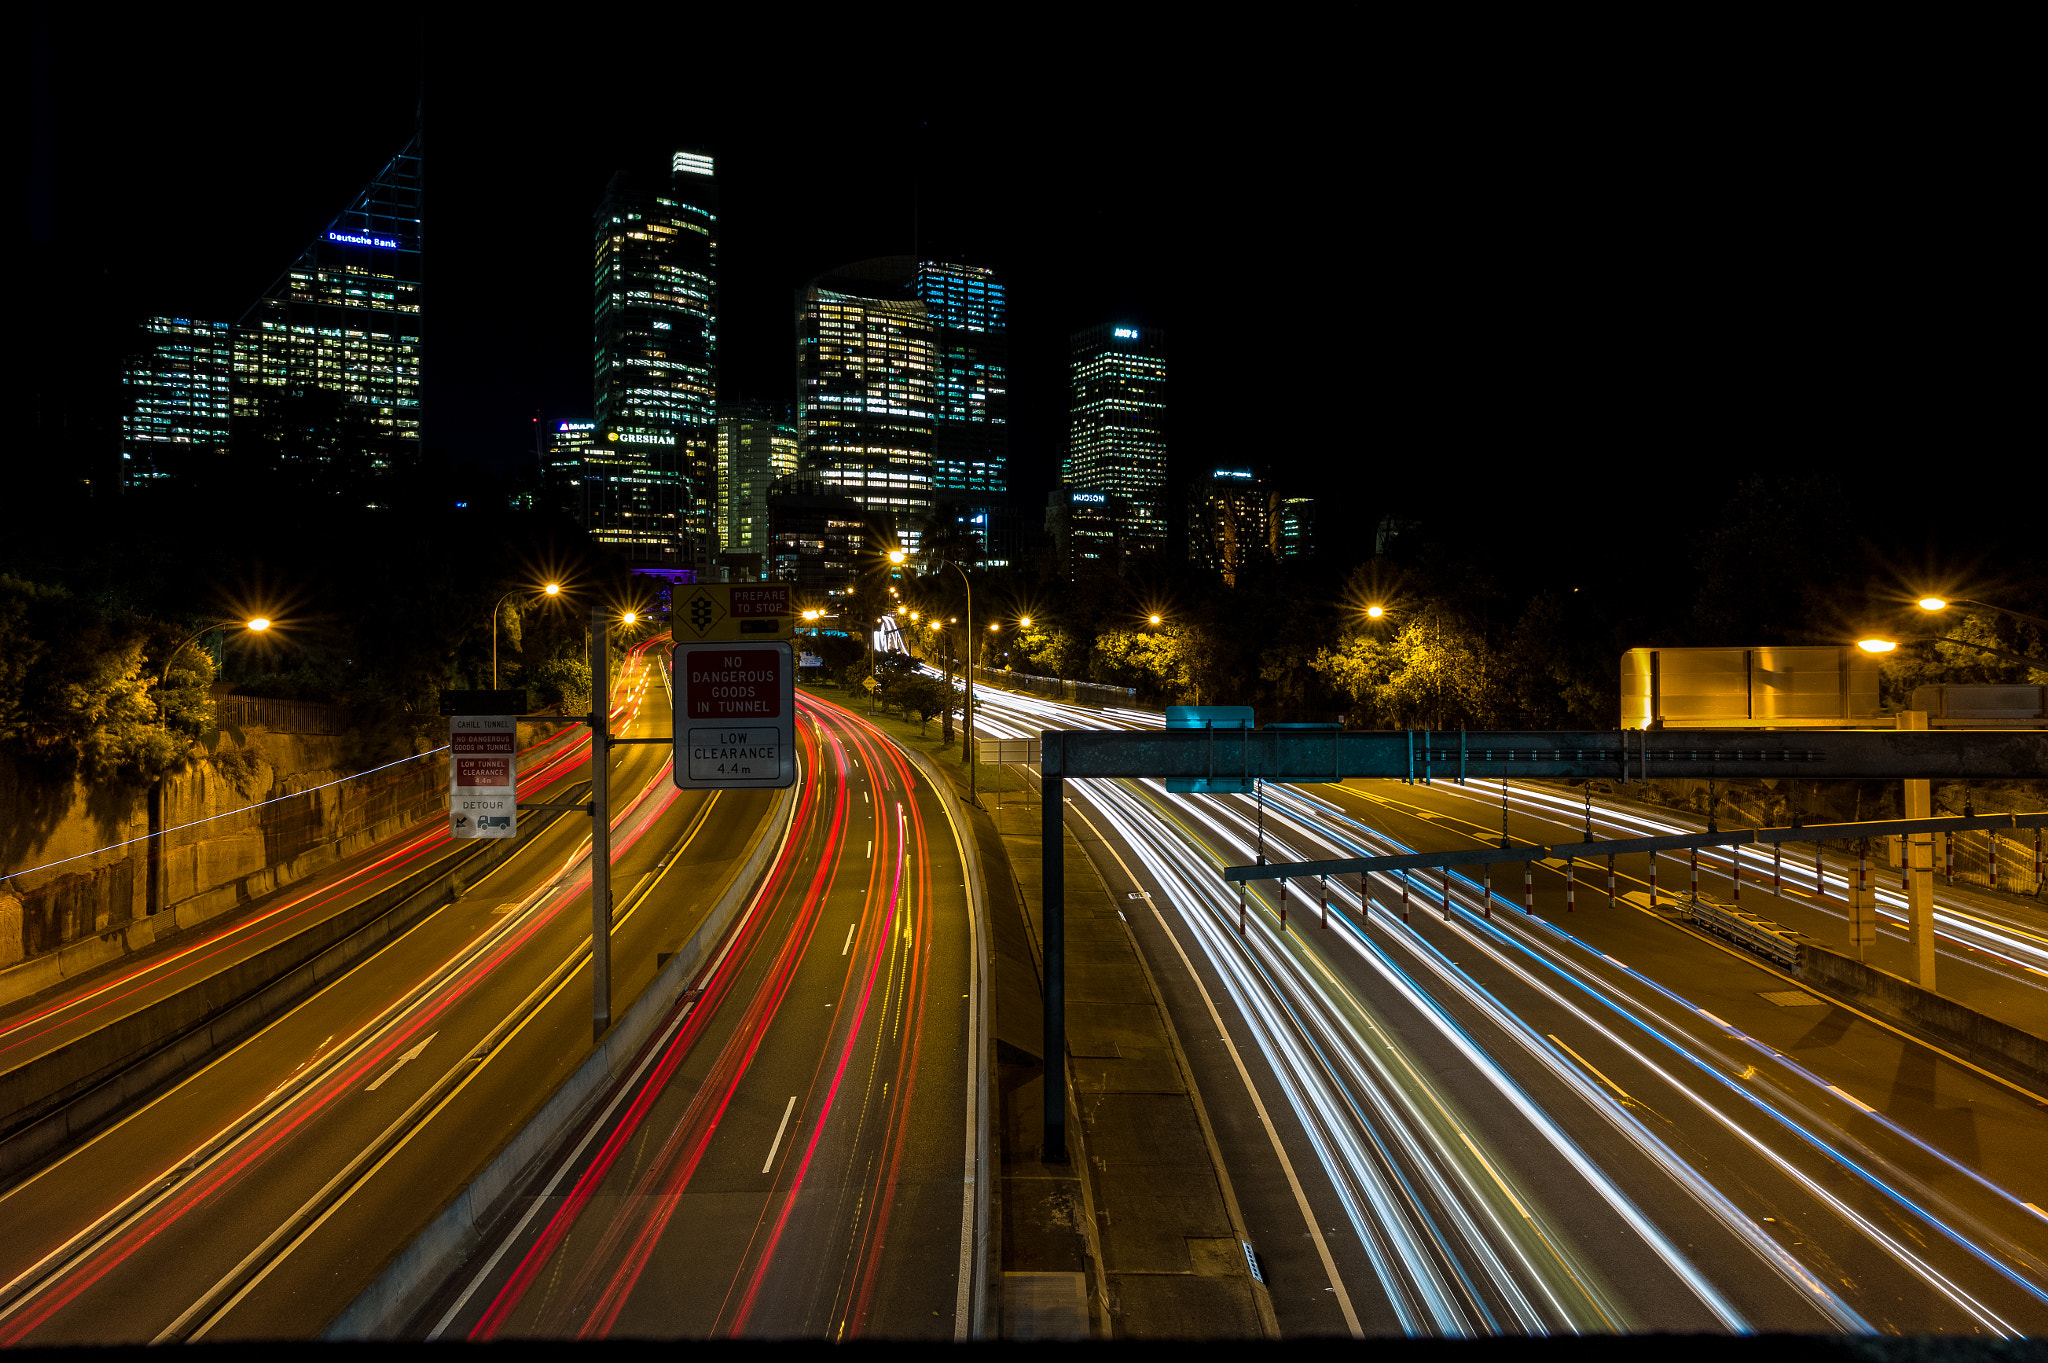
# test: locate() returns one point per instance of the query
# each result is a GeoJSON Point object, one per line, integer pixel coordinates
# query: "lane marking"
{"type": "Point", "coordinates": [1589, 1066]}
{"type": "Point", "coordinates": [403, 1061]}
{"type": "Point", "coordinates": [849, 938]}
{"type": "Point", "coordinates": [769, 1163]}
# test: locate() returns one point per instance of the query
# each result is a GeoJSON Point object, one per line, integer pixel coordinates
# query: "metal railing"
{"type": "Point", "coordinates": [1056, 688]}
{"type": "Point", "coordinates": [284, 716]}
{"type": "Point", "coordinates": [1772, 941]}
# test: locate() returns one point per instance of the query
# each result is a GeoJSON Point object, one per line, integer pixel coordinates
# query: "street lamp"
{"type": "Point", "coordinates": [1153, 618]}
{"type": "Point", "coordinates": [1024, 622]}
{"type": "Point", "coordinates": [1375, 612]}
{"type": "Point", "coordinates": [256, 625]}
{"type": "Point", "coordinates": [1887, 645]}
{"type": "Point", "coordinates": [551, 589]}
{"type": "Point", "coordinates": [1936, 603]}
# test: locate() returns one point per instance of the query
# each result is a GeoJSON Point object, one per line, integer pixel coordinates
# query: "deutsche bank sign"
{"type": "Point", "coordinates": [361, 239]}
{"type": "Point", "coordinates": [736, 723]}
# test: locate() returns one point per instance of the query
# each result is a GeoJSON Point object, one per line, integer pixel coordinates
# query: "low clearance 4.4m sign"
{"type": "Point", "coordinates": [736, 716]}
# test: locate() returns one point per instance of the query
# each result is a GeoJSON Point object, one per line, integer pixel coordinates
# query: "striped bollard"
{"type": "Point", "coordinates": [1737, 859]}
{"type": "Point", "coordinates": [1948, 857]}
{"type": "Point", "coordinates": [1240, 909]}
{"type": "Point", "coordinates": [1283, 903]}
{"type": "Point", "coordinates": [1486, 889]}
{"type": "Point", "coordinates": [1325, 889]}
{"type": "Point", "coordinates": [1447, 894]}
{"type": "Point", "coordinates": [1528, 887]}
{"type": "Point", "coordinates": [1610, 883]}
{"type": "Point", "coordinates": [1777, 868]}
{"type": "Point", "coordinates": [1653, 880]}
{"type": "Point", "coordinates": [1993, 863]}
{"type": "Point", "coordinates": [1568, 888]}
{"type": "Point", "coordinates": [1404, 896]}
{"type": "Point", "coordinates": [1820, 878]}
{"type": "Point", "coordinates": [1695, 876]}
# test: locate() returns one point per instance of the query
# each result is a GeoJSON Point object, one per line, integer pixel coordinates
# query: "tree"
{"type": "Point", "coordinates": [929, 697]}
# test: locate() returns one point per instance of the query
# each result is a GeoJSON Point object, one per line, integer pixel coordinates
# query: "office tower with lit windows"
{"type": "Point", "coordinates": [655, 360]}
{"type": "Point", "coordinates": [1294, 527]}
{"type": "Point", "coordinates": [563, 468]}
{"type": "Point", "coordinates": [1117, 436]}
{"type": "Point", "coordinates": [969, 314]}
{"type": "Point", "coordinates": [754, 449]}
{"type": "Point", "coordinates": [327, 362]}
{"type": "Point", "coordinates": [176, 398]}
{"type": "Point", "coordinates": [1230, 520]}
{"type": "Point", "coordinates": [867, 390]}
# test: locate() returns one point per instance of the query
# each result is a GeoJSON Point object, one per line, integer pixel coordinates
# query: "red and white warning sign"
{"type": "Point", "coordinates": [736, 724]}
{"type": "Point", "coordinates": [483, 776]}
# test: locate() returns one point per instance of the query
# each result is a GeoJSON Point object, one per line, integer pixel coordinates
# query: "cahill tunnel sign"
{"type": "Point", "coordinates": [736, 724]}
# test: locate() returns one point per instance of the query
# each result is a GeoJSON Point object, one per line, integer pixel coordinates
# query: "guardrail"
{"type": "Point", "coordinates": [1056, 688]}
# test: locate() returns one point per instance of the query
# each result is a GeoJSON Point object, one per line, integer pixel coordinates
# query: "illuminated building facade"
{"type": "Point", "coordinates": [177, 400]}
{"type": "Point", "coordinates": [1117, 438]}
{"type": "Point", "coordinates": [968, 309]}
{"type": "Point", "coordinates": [1294, 527]}
{"type": "Point", "coordinates": [1230, 519]}
{"type": "Point", "coordinates": [563, 468]}
{"type": "Point", "coordinates": [754, 450]}
{"type": "Point", "coordinates": [867, 390]}
{"type": "Point", "coordinates": [815, 537]}
{"type": "Point", "coordinates": [655, 361]}
{"type": "Point", "coordinates": [1086, 527]}
{"type": "Point", "coordinates": [339, 333]}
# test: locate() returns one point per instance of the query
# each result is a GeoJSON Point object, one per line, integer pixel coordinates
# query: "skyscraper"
{"type": "Point", "coordinates": [867, 389]}
{"type": "Point", "coordinates": [754, 449]}
{"type": "Point", "coordinates": [177, 401]}
{"type": "Point", "coordinates": [1230, 519]}
{"type": "Point", "coordinates": [1294, 527]}
{"type": "Point", "coordinates": [655, 359]}
{"type": "Point", "coordinates": [971, 389]}
{"type": "Point", "coordinates": [1117, 439]}
{"type": "Point", "coordinates": [335, 344]}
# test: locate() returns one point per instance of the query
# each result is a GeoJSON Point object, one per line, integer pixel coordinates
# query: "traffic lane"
{"type": "Point", "coordinates": [347, 1251]}
{"type": "Point", "coordinates": [753, 1260]}
{"type": "Point", "coordinates": [134, 1290]}
{"type": "Point", "coordinates": [1655, 1297]}
{"type": "Point", "coordinates": [1972, 1118]}
{"type": "Point", "coordinates": [1799, 1096]}
{"type": "Point", "coordinates": [665, 1119]}
{"type": "Point", "coordinates": [1303, 1303]}
{"type": "Point", "coordinates": [879, 1215]}
{"type": "Point", "coordinates": [135, 1152]}
{"type": "Point", "coordinates": [48, 1021]}
{"type": "Point", "coordinates": [1989, 960]}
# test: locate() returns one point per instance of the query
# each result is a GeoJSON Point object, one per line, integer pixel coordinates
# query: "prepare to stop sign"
{"type": "Point", "coordinates": [736, 724]}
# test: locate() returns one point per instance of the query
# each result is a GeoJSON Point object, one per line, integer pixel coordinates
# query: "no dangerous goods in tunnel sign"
{"type": "Point", "coordinates": [736, 726]}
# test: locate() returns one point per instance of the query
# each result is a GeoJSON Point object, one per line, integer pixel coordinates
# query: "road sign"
{"type": "Point", "coordinates": [736, 723]}
{"type": "Point", "coordinates": [870, 683]}
{"type": "Point", "coordinates": [713, 611]}
{"type": "Point", "coordinates": [483, 703]}
{"type": "Point", "coordinates": [483, 776]}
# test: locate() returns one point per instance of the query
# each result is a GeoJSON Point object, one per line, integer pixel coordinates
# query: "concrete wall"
{"type": "Point", "coordinates": [75, 916]}
{"type": "Point", "coordinates": [2020, 1056]}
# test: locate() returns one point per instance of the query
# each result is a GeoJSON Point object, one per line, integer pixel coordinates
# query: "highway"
{"type": "Point", "coordinates": [1476, 1120]}
{"type": "Point", "coordinates": [256, 1197]}
{"type": "Point", "coordinates": [795, 1156]}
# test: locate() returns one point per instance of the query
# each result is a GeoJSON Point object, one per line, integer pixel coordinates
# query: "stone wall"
{"type": "Point", "coordinates": [242, 821]}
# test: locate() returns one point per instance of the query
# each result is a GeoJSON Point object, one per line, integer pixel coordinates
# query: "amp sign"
{"type": "Point", "coordinates": [736, 725]}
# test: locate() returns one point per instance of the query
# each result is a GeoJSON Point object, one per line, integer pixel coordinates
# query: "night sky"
{"type": "Point", "coordinates": [1402, 281]}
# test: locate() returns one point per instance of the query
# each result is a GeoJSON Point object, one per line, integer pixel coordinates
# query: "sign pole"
{"type": "Point", "coordinates": [600, 828]}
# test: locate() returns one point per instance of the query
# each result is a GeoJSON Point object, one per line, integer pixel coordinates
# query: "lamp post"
{"type": "Point", "coordinates": [257, 625]}
{"type": "Point", "coordinates": [1887, 645]}
{"type": "Point", "coordinates": [552, 589]}
{"type": "Point", "coordinates": [967, 709]}
{"type": "Point", "coordinates": [1936, 603]}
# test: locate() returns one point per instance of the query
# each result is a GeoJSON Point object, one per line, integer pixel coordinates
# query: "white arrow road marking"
{"type": "Point", "coordinates": [403, 1061]}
